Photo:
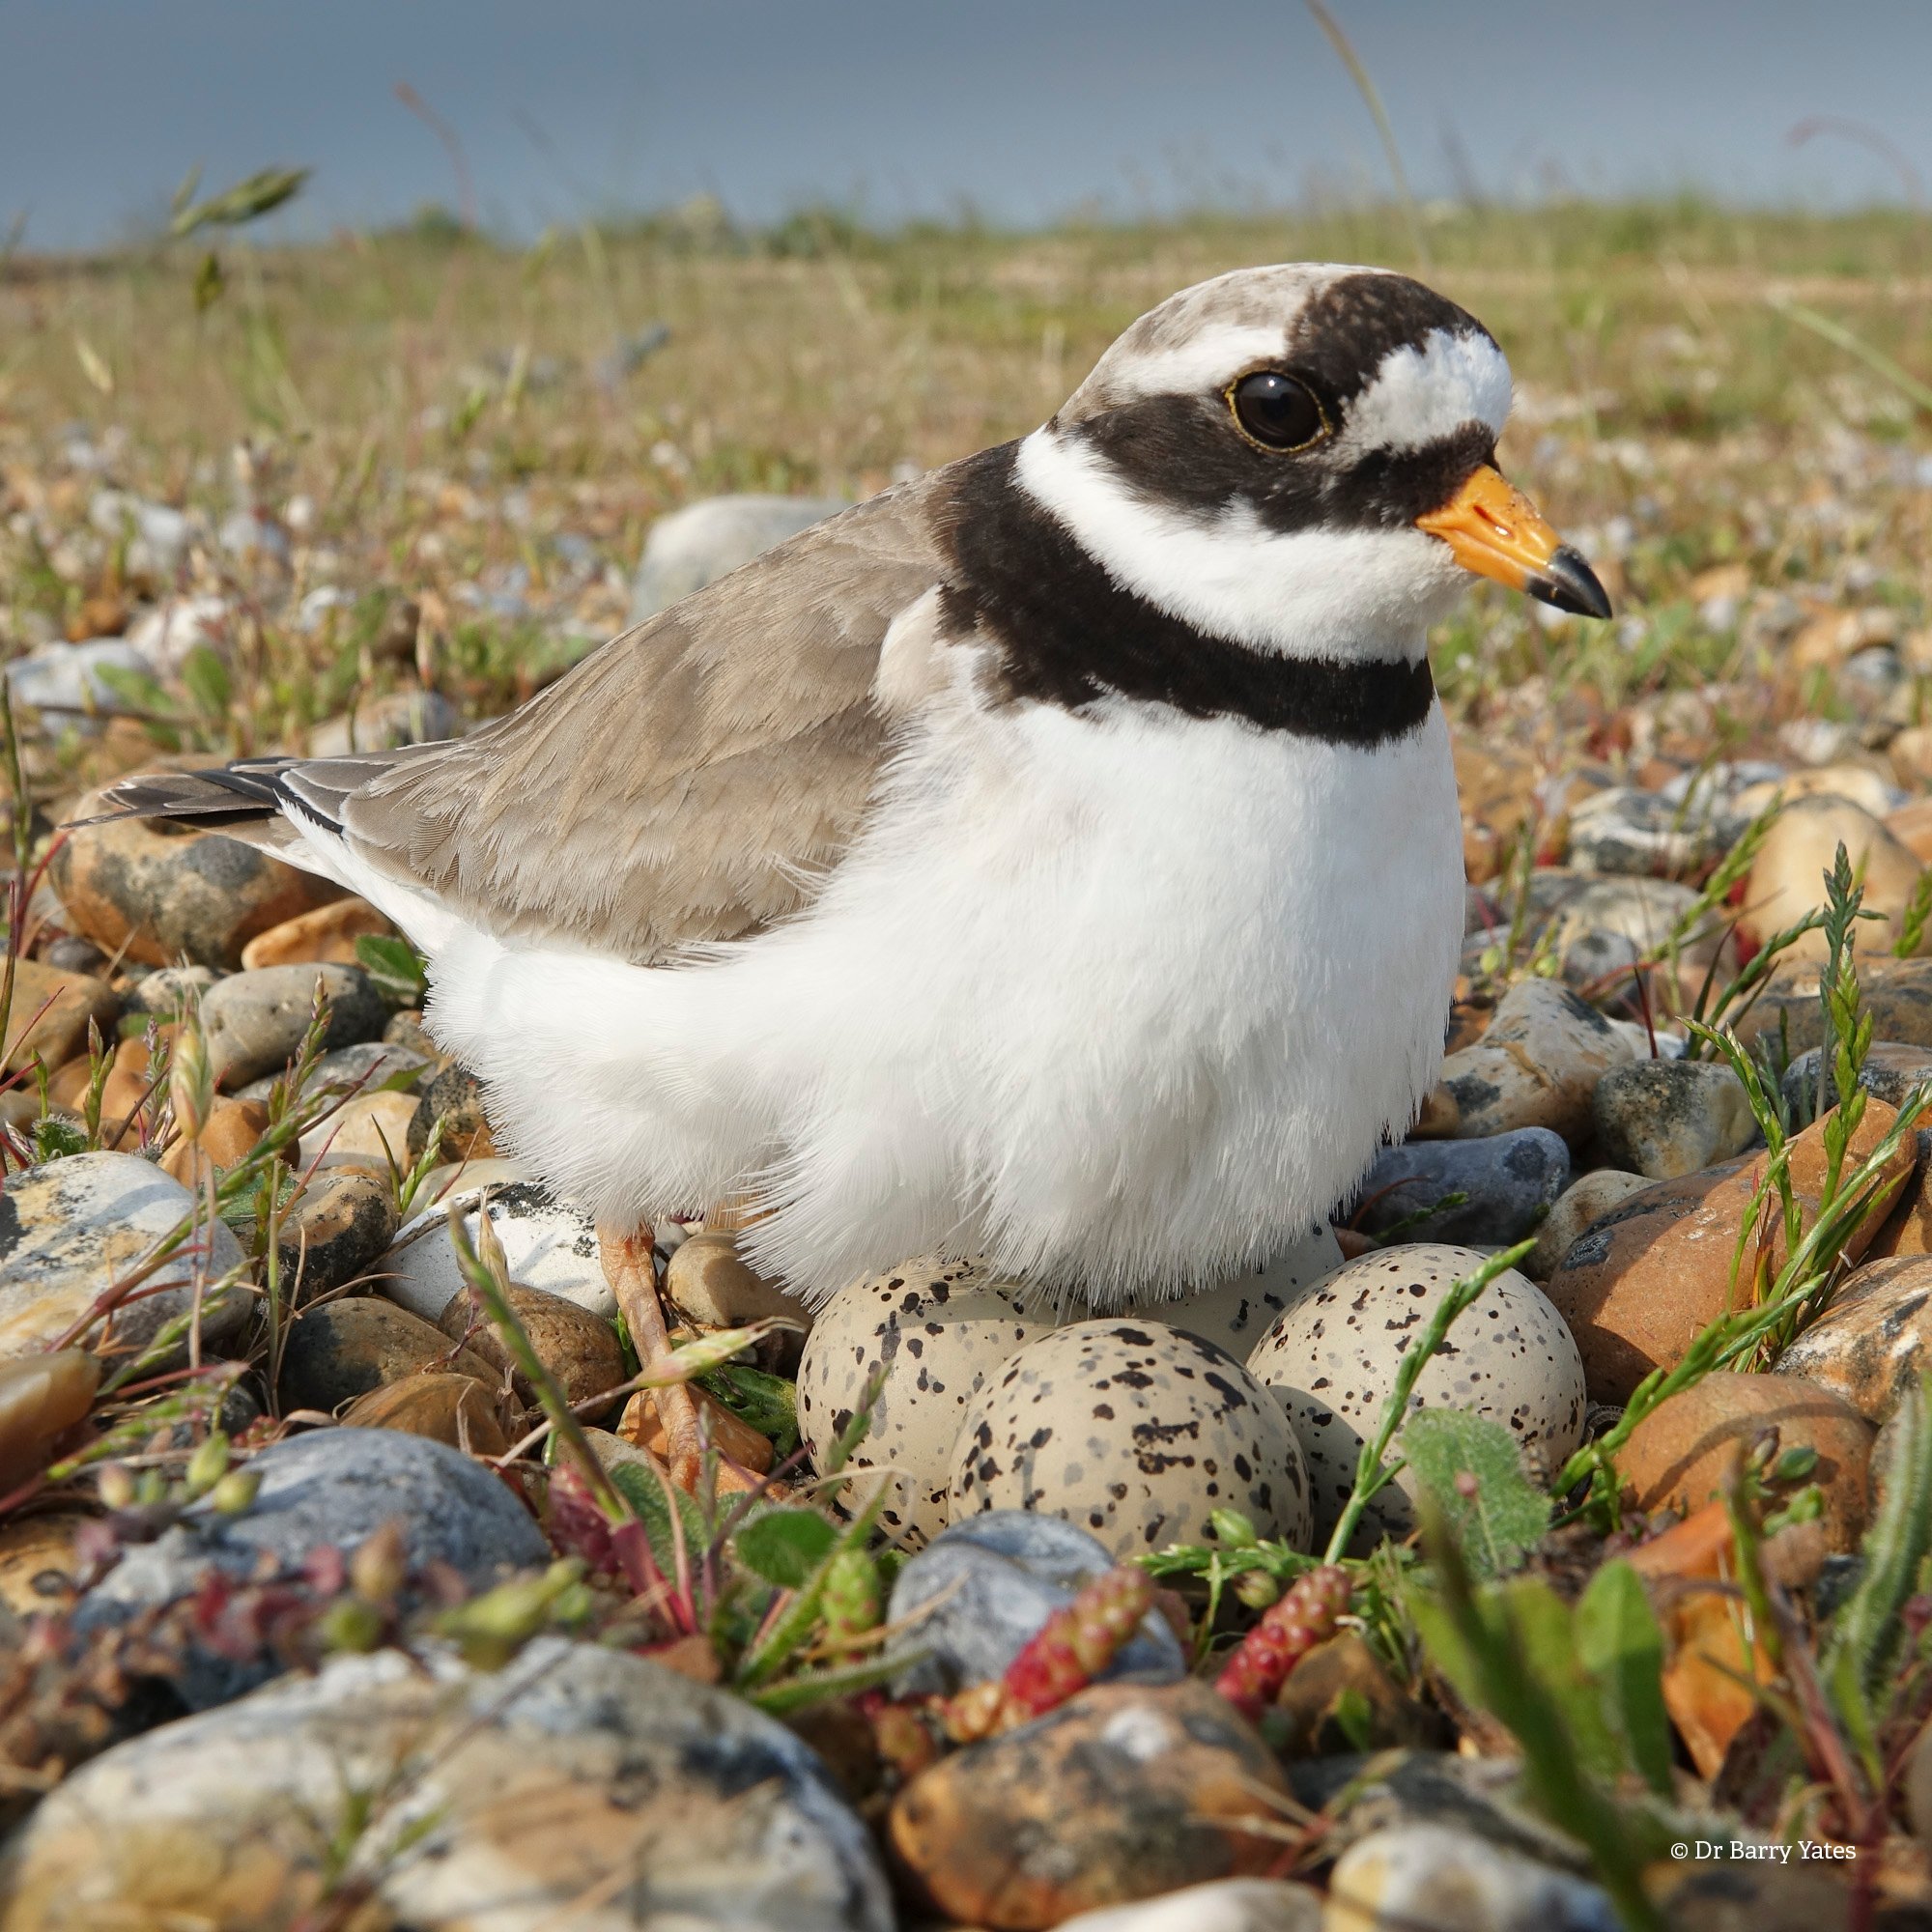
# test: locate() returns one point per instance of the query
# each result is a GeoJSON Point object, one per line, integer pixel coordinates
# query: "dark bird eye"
{"type": "Point", "coordinates": [1276, 412]}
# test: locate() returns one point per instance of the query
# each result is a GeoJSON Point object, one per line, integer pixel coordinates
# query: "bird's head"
{"type": "Point", "coordinates": [1301, 458]}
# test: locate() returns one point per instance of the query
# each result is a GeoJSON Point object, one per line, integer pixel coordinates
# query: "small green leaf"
{"type": "Point", "coordinates": [1621, 1647]}
{"type": "Point", "coordinates": [784, 1546]}
{"type": "Point", "coordinates": [55, 1139]}
{"type": "Point", "coordinates": [395, 966]}
{"type": "Point", "coordinates": [645, 1494]}
{"type": "Point", "coordinates": [768, 1403]}
{"type": "Point", "coordinates": [1473, 1469]}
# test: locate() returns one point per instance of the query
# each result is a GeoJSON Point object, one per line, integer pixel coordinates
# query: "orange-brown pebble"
{"type": "Point", "coordinates": [230, 1136]}
{"type": "Point", "coordinates": [327, 935]}
{"type": "Point", "coordinates": [1077, 1810]}
{"type": "Point", "coordinates": [1640, 1283]}
{"type": "Point", "coordinates": [1689, 1449]}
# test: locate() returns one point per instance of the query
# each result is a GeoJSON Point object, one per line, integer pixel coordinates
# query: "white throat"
{"type": "Point", "coordinates": [1343, 594]}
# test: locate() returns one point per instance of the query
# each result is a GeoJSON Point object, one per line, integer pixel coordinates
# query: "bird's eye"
{"type": "Point", "coordinates": [1277, 412]}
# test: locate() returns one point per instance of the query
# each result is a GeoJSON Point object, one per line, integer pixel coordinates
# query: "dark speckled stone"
{"type": "Point", "coordinates": [1511, 1179]}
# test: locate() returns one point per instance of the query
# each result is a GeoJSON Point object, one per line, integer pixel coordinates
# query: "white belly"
{"type": "Point", "coordinates": [1124, 1002]}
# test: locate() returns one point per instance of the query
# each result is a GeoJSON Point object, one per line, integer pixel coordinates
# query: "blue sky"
{"type": "Point", "coordinates": [1022, 108]}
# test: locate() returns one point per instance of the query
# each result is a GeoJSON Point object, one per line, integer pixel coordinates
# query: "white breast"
{"type": "Point", "coordinates": [1126, 1001]}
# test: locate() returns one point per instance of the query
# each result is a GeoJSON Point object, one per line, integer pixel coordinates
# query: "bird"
{"type": "Point", "coordinates": [1054, 858]}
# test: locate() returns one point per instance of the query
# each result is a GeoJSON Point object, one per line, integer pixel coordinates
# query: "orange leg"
{"type": "Point", "coordinates": [631, 1270]}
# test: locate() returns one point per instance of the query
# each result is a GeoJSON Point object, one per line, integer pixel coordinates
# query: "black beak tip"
{"type": "Point", "coordinates": [1567, 583]}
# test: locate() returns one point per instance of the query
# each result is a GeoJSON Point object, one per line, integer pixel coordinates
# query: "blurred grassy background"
{"type": "Point", "coordinates": [489, 430]}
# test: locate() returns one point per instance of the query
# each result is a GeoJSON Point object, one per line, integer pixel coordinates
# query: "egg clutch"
{"type": "Point", "coordinates": [1137, 1429]}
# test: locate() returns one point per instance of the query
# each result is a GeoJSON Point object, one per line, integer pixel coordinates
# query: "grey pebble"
{"type": "Point", "coordinates": [1511, 1180]}
{"type": "Point", "coordinates": [997, 1578]}
{"type": "Point", "coordinates": [255, 1021]}
{"type": "Point", "coordinates": [337, 1487]}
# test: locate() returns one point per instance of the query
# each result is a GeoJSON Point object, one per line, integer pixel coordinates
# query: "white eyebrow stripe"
{"type": "Point", "coordinates": [1206, 361]}
{"type": "Point", "coordinates": [1422, 394]}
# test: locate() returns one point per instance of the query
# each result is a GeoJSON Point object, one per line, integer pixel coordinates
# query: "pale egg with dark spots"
{"type": "Point", "coordinates": [1333, 1355]}
{"type": "Point", "coordinates": [933, 1330]}
{"type": "Point", "coordinates": [1134, 1431]}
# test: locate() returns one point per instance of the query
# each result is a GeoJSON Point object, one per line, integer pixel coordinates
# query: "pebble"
{"type": "Point", "coordinates": [1642, 833]}
{"type": "Point", "coordinates": [1584, 1202]}
{"type": "Point", "coordinates": [1479, 1798]}
{"type": "Point", "coordinates": [709, 1283]}
{"type": "Point", "coordinates": [335, 1487]}
{"type": "Point", "coordinates": [325, 935]}
{"type": "Point", "coordinates": [1511, 1179]}
{"type": "Point", "coordinates": [693, 547]}
{"type": "Point", "coordinates": [156, 534]}
{"type": "Point", "coordinates": [50, 1014]}
{"type": "Point", "coordinates": [40, 1560]}
{"type": "Point", "coordinates": [1787, 878]}
{"type": "Point", "coordinates": [1646, 1277]}
{"type": "Point", "coordinates": [1735, 1895]}
{"type": "Point", "coordinates": [454, 1096]}
{"type": "Point", "coordinates": [579, 1785]}
{"type": "Point", "coordinates": [1224, 1905]}
{"type": "Point", "coordinates": [935, 1330]}
{"type": "Point", "coordinates": [370, 1131]}
{"type": "Point", "coordinates": [547, 1243]}
{"type": "Point", "coordinates": [1892, 1071]}
{"type": "Point", "coordinates": [169, 632]}
{"type": "Point", "coordinates": [453, 1408]}
{"type": "Point", "coordinates": [1334, 1357]}
{"type": "Point", "coordinates": [1134, 1431]}
{"type": "Point", "coordinates": [578, 1349]}
{"type": "Point", "coordinates": [150, 890]}
{"type": "Point", "coordinates": [338, 1228]}
{"type": "Point", "coordinates": [1665, 1117]}
{"type": "Point", "coordinates": [70, 1228]}
{"type": "Point", "coordinates": [40, 1398]}
{"type": "Point", "coordinates": [167, 991]}
{"type": "Point", "coordinates": [1608, 925]}
{"type": "Point", "coordinates": [67, 681]}
{"type": "Point", "coordinates": [735, 1439]}
{"type": "Point", "coordinates": [1897, 995]}
{"type": "Point", "coordinates": [256, 1021]}
{"type": "Point", "coordinates": [1079, 1809]}
{"type": "Point", "coordinates": [1873, 1342]}
{"type": "Point", "coordinates": [363, 1068]}
{"type": "Point", "coordinates": [1340, 1698]}
{"type": "Point", "coordinates": [1414, 1875]}
{"type": "Point", "coordinates": [1537, 1064]}
{"type": "Point", "coordinates": [1685, 1451]}
{"type": "Point", "coordinates": [340, 1351]}
{"type": "Point", "coordinates": [230, 1135]}
{"type": "Point", "coordinates": [1235, 1314]}
{"type": "Point", "coordinates": [387, 723]}
{"type": "Point", "coordinates": [992, 1580]}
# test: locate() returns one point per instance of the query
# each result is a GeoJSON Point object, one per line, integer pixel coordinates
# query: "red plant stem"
{"type": "Point", "coordinates": [1306, 1615]}
{"type": "Point", "coordinates": [1064, 1655]}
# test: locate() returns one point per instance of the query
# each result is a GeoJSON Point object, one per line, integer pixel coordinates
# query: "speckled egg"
{"type": "Point", "coordinates": [1238, 1311]}
{"type": "Point", "coordinates": [1135, 1431]}
{"type": "Point", "coordinates": [937, 1329]}
{"type": "Point", "coordinates": [1332, 1357]}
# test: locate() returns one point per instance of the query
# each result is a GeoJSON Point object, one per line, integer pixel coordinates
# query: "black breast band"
{"type": "Point", "coordinates": [1069, 633]}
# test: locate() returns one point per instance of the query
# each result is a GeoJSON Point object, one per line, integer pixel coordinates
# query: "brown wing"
{"type": "Point", "coordinates": [690, 780]}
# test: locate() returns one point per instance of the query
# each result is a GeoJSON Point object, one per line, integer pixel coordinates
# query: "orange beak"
{"type": "Point", "coordinates": [1496, 532]}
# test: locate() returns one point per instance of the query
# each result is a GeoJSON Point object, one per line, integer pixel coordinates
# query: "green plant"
{"type": "Point", "coordinates": [1576, 1690]}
